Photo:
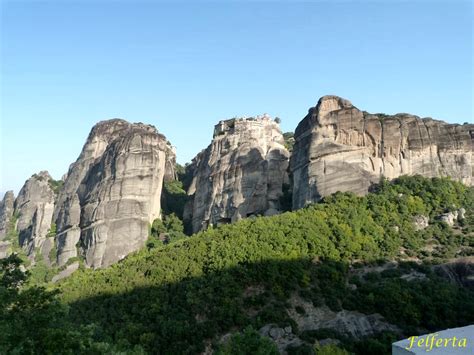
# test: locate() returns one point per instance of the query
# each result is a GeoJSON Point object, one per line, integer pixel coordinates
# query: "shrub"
{"type": "Point", "coordinates": [248, 342]}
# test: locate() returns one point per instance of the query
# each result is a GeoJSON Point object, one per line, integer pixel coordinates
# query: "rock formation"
{"type": "Point", "coordinates": [340, 148]}
{"type": "Point", "coordinates": [240, 174]}
{"type": "Point", "coordinates": [6, 212]}
{"type": "Point", "coordinates": [34, 206]}
{"type": "Point", "coordinates": [458, 271]}
{"type": "Point", "coordinates": [349, 323]}
{"type": "Point", "coordinates": [112, 192]}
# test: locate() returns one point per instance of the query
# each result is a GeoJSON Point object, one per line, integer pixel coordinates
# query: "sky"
{"type": "Point", "coordinates": [183, 66]}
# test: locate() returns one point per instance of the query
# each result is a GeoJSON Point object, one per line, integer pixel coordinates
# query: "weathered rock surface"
{"type": "Point", "coordinates": [350, 323]}
{"type": "Point", "coordinates": [7, 206]}
{"type": "Point", "coordinates": [340, 148]}
{"type": "Point", "coordinates": [347, 323]}
{"type": "Point", "coordinates": [282, 337]}
{"type": "Point", "coordinates": [35, 206]}
{"type": "Point", "coordinates": [458, 271]}
{"type": "Point", "coordinates": [421, 222]}
{"type": "Point", "coordinates": [5, 249]}
{"type": "Point", "coordinates": [240, 174]}
{"type": "Point", "coordinates": [68, 271]}
{"type": "Point", "coordinates": [112, 192]}
{"type": "Point", "coordinates": [449, 218]}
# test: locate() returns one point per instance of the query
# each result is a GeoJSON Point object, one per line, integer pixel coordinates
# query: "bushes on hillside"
{"type": "Point", "coordinates": [249, 342]}
{"type": "Point", "coordinates": [165, 231]}
{"type": "Point", "coordinates": [175, 298]}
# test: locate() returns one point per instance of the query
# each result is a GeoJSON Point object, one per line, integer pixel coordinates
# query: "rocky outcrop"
{"type": "Point", "coordinates": [283, 338]}
{"type": "Point", "coordinates": [340, 148]}
{"type": "Point", "coordinates": [34, 206]}
{"type": "Point", "coordinates": [5, 249]}
{"type": "Point", "coordinates": [7, 206]}
{"type": "Point", "coordinates": [240, 174]}
{"type": "Point", "coordinates": [349, 323]}
{"type": "Point", "coordinates": [421, 222]}
{"type": "Point", "coordinates": [68, 271]}
{"type": "Point", "coordinates": [458, 271]}
{"type": "Point", "coordinates": [450, 218]}
{"type": "Point", "coordinates": [309, 318]}
{"type": "Point", "coordinates": [112, 192]}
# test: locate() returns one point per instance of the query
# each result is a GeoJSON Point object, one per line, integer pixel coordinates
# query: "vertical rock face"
{"type": "Point", "coordinates": [240, 174]}
{"type": "Point", "coordinates": [35, 206]}
{"type": "Point", "coordinates": [112, 192]}
{"type": "Point", "coordinates": [6, 212]}
{"type": "Point", "coordinates": [340, 148]}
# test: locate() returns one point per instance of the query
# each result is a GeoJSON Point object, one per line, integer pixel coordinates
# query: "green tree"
{"type": "Point", "coordinates": [330, 349]}
{"type": "Point", "coordinates": [29, 317]}
{"type": "Point", "coordinates": [170, 229]}
{"type": "Point", "coordinates": [249, 342]}
{"type": "Point", "coordinates": [34, 321]}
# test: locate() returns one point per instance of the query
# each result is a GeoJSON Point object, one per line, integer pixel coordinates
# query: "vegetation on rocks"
{"type": "Point", "coordinates": [289, 140]}
{"type": "Point", "coordinates": [56, 185]}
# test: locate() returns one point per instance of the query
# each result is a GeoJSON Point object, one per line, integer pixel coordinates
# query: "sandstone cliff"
{"type": "Point", "coordinates": [6, 212]}
{"type": "Point", "coordinates": [34, 206]}
{"type": "Point", "coordinates": [241, 173]}
{"type": "Point", "coordinates": [340, 148]}
{"type": "Point", "coordinates": [112, 192]}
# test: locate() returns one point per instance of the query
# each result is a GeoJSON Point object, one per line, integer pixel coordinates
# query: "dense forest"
{"type": "Point", "coordinates": [216, 290]}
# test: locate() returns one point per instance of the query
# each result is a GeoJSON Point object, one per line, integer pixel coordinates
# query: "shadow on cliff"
{"type": "Point", "coordinates": [182, 316]}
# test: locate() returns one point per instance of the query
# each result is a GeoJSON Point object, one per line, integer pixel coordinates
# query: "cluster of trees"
{"type": "Point", "coordinates": [248, 342]}
{"type": "Point", "coordinates": [174, 198]}
{"type": "Point", "coordinates": [394, 205]}
{"type": "Point", "coordinates": [176, 298]}
{"type": "Point", "coordinates": [167, 230]}
{"type": "Point", "coordinates": [33, 320]}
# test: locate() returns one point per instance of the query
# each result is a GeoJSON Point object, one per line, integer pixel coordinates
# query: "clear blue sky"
{"type": "Point", "coordinates": [183, 67]}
